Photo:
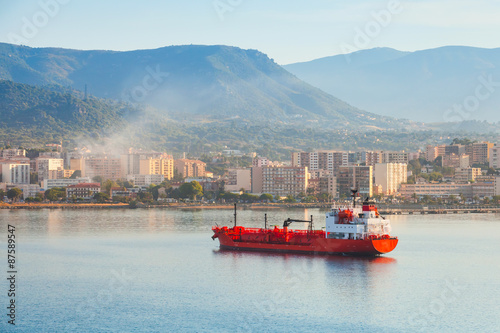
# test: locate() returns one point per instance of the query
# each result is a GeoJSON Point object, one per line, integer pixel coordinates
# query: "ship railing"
{"type": "Point", "coordinates": [342, 207]}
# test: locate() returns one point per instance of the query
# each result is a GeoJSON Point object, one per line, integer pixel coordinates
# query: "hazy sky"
{"type": "Point", "coordinates": [287, 31]}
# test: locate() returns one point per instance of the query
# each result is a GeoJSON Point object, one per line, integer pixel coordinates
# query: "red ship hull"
{"type": "Point", "coordinates": [299, 241]}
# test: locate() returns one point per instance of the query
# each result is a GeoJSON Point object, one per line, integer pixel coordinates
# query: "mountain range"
{"type": "Point", "coordinates": [446, 84]}
{"type": "Point", "coordinates": [190, 83]}
{"type": "Point", "coordinates": [31, 116]}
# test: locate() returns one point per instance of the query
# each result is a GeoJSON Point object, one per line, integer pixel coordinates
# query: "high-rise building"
{"type": "Point", "coordinates": [394, 157]}
{"type": "Point", "coordinates": [456, 161]}
{"type": "Point", "coordinates": [77, 164]}
{"type": "Point", "coordinates": [464, 175]}
{"type": "Point", "coordinates": [373, 157]}
{"type": "Point", "coordinates": [256, 177]}
{"type": "Point", "coordinates": [454, 149]}
{"type": "Point", "coordinates": [238, 179]}
{"type": "Point", "coordinates": [48, 168]}
{"type": "Point", "coordinates": [157, 166]}
{"type": "Point", "coordinates": [355, 177]}
{"type": "Point", "coordinates": [130, 164]}
{"type": "Point", "coordinates": [390, 176]}
{"type": "Point", "coordinates": [190, 168]}
{"type": "Point", "coordinates": [431, 153]}
{"type": "Point", "coordinates": [12, 153]}
{"type": "Point", "coordinates": [494, 161]}
{"type": "Point", "coordinates": [321, 160]}
{"type": "Point", "coordinates": [107, 168]}
{"type": "Point", "coordinates": [284, 181]}
{"type": "Point", "coordinates": [16, 173]}
{"type": "Point", "coordinates": [479, 152]}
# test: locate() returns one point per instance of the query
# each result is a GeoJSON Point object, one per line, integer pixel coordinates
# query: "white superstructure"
{"type": "Point", "coordinates": [349, 222]}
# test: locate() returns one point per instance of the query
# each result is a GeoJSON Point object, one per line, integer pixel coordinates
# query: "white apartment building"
{"type": "Point", "coordinates": [51, 183]}
{"type": "Point", "coordinates": [494, 158]}
{"type": "Point", "coordinates": [47, 167]}
{"type": "Point", "coordinates": [390, 176]}
{"type": "Point", "coordinates": [16, 173]}
{"type": "Point", "coordinates": [145, 180]}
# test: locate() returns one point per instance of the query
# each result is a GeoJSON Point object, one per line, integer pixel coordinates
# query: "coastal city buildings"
{"type": "Point", "coordinates": [157, 166]}
{"type": "Point", "coordinates": [238, 179]}
{"type": "Point", "coordinates": [145, 180]}
{"type": "Point", "coordinates": [494, 158]}
{"type": "Point", "coordinates": [103, 166]}
{"type": "Point", "coordinates": [189, 168]}
{"type": "Point", "coordinates": [355, 177]}
{"type": "Point", "coordinates": [83, 190]}
{"type": "Point", "coordinates": [62, 182]}
{"type": "Point", "coordinates": [443, 171]}
{"type": "Point", "coordinates": [465, 175]}
{"type": "Point", "coordinates": [12, 153]}
{"type": "Point", "coordinates": [283, 181]}
{"type": "Point", "coordinates": [18, 173]}
{"type": "Point", "coordinates": [47, 167]}
{"type": "Point", "coordinates": [390, 176]}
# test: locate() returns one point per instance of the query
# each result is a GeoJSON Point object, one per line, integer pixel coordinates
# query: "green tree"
{"type": "Point", "coordinates": [177, 176]}
{"type": "Point", "coordinates": [310, 198]}
{"type": "Point", "coordinates": [290, 199]}
{"type": "Point", "coordinates": [247, 197]}
{"type": "Point", "coordinates": [34, 178]}
{"type": "Point", "coordinates": [98, 179]}
{"type": "Point", "coordinates": [324, 197]}
{"type": "Point", "coordinates": [144, 196]}
{"type": "Point", "coordinates": [125, 183]}
{"type": "Point", "coordinates": [266, 197]}
{"type": "Point", "coordinates": [101, 197]}
{"type": "Point", "coordinates": [76, 174]}
{"type": "Point", "coordinates": [492, 171]}
{"type": "Point", "coordinates": [14, 194]}
{"type": "Point", "coordinates": [2, 194]}
{"type": "Point", "coordinates": [56, 193]}
{"type": "Point", "coordinates": [107, 185]}
{"type": "Point", "coordinates": [228, 196]}
{"type": "Point", "coordinates": [191, 190]}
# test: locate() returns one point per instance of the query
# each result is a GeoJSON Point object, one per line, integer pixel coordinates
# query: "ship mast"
{"type": "Point", "coordinates": [354, 193]}
{"type": "Point", "coordinates": [235, 214]}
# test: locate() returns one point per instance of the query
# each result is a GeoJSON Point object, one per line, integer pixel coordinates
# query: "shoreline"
{"type": "Point", "coordinates": [166, 206]}
{"type": "Point", "coordinates": [383, 209]}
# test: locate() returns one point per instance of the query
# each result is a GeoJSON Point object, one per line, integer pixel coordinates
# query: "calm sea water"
{"type": "Point", "coordinates": [159, 271]}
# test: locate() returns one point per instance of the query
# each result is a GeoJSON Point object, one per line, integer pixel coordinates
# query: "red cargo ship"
{"type": "Point", "coordinates": [349, 230]}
